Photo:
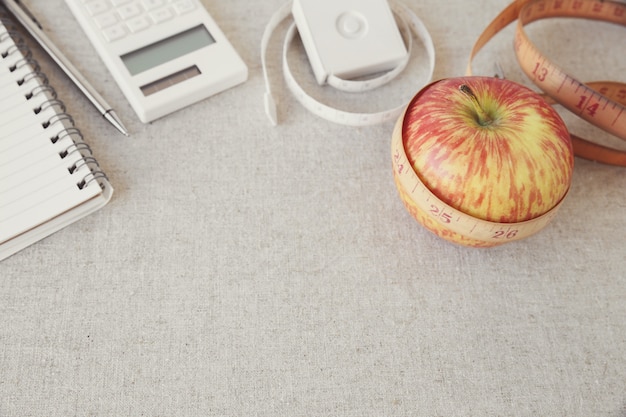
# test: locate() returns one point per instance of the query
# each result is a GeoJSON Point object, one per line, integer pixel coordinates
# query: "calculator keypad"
{"type": "Point", "coordinates": [120, 18]}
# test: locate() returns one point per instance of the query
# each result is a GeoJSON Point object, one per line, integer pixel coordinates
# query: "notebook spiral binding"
{"type": "Point", "coordinates": [68, 130]}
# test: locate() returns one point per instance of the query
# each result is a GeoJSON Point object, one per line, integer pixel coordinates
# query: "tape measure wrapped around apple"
{"type": "Point", "coordinates": [481, 161]}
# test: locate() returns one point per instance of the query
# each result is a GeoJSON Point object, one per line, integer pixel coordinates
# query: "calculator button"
{"type": "Point", "coordinates": [161, 15]}
{"type": "Point", "coordinates": [184, 6]}
{"type": "Point", "coordinates": [114, 33]}
{"type": "Point", "coordinates": [117, 3]}
{"type": "Point", "coordinates": [152, 4]}
{"type": "Point", "coordinates": [129, 10]}
{"type": "Point", "coordinates": [96, 7]}
{"type": "Point", "coordinates": [105, 20]}
{"type": "Point", "coordinates": [138, 24]}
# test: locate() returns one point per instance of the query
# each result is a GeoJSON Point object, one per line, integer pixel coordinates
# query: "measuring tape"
{"type": "Point", "coordinates": [599, 103]}
{"type": "Point", "coordinates": [406, 17]}
{"type": "Point", "coordinates": [446, 221]}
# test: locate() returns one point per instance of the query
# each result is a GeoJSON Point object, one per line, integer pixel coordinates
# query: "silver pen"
{"type": "Point", "coordinates": [33, 27]}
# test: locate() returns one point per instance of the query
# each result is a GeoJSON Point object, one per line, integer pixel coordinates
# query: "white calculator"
{"type": "Point", "coordinates": [164, 54]}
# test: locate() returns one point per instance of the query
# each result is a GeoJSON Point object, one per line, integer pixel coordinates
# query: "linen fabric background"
{"type": "Point", "coordinates": [249, 270]}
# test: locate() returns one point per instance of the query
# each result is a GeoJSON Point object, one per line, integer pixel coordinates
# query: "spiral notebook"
{"type": "Point", "coordinates": [48, 176]}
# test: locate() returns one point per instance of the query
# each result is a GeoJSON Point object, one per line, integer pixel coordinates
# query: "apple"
{"type": "Point", "coordinates": [487, 147]}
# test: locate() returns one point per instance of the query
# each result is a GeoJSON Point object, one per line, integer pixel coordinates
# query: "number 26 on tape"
{"type": "Point", "coordinates": [505, 234]}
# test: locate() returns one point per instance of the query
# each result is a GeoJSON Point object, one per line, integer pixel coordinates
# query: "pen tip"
{"type": "Point", "coordinates": [115, 121]}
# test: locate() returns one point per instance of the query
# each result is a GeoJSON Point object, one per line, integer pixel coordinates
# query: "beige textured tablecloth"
{"type": "Point", "coordinates": [249, 270]}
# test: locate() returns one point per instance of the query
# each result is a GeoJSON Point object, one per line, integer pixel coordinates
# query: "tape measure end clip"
{"type": "Point", "coordinates": [270, 108]}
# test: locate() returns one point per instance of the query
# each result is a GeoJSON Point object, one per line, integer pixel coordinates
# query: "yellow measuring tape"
{"type": "Point", "coordinates": [600, 103]}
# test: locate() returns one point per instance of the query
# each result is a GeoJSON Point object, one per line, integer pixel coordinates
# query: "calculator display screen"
{"type": "Point", "coordinates": [167, 49]}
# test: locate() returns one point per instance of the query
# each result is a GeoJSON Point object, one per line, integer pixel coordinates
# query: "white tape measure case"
{"type": "Point", "coordinates": [412, 26]}
{"type": "Point", "coordinates": [163, 54]}
{"type": "Point", "coordinates": [348, 38]}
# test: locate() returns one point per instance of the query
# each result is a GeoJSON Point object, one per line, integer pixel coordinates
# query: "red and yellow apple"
{"type": "Point", "coordinates": [487, 147]}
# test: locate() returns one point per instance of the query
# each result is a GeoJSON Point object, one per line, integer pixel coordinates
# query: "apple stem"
{"type": "Point", "coordinates": [483, 117]}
